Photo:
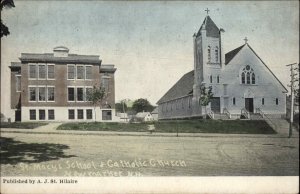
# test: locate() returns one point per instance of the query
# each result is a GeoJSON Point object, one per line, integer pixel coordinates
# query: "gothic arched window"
{"type": "Point", "coordinates": [253, 78]}
{"type": "Point", "coordinates": [218, 79]}
{"type": "Point", "coordinates": [210, 79]}
{"type": "Point", "coordinates": [248, 76]}
{"type": "Point", "coordinates": [217, 54]}
{"type": "Point", "coordinates": [243, 77]}
{"type": "Point", "coordinates": [208, 54]}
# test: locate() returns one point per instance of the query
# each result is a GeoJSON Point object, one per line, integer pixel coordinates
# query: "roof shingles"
{"type": "Point", "coordinates": [183, 87]}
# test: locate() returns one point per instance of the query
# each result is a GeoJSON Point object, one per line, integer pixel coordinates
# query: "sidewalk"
{"type": "Point", "coordinates": [51, 129]}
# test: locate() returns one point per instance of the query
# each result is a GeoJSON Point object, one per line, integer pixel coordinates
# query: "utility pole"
{"type": "Point", "coordinates": [292, 86]}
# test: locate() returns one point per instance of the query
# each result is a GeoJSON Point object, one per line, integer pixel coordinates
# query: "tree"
{"type": "Point", "coordinates": [206, 96]}
{"type": "Point", "coordinates": [5, 4]}
{"type": "Point", "coordinates": [141, 105]}
{"type": "Point", "coordinates": [119, 107]}
{"type": "Point", "coordinates": [96, 96]}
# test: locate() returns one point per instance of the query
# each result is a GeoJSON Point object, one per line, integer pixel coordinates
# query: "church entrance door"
{"type": "Point", "coordinates": [215, 104]}
{"type": "Point", "coordinates": [249, 104]}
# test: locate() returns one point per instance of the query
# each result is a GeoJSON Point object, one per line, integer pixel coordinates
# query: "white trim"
{"type": "Point", "coordinates": [51, 64]}
{"type": "Point", "coordinates": [16, 77]}
{"type": "Point", "coordinates": [83, 72]}
{"type": "Point", "coordinates": [31, 86]}
{"type": "Point", "coordinates": [86, 87]}
{"type": "Point", "coordinates": [68, 94]}
{"type": "Point", "coordinates": [36, 72]}
{"type": "Point", "coordinates": [85, 67]}
{"type": "Point", "coordinates": [68, 65]}
{"type": "Point", "coordinates": [47, 99]}
{"type": "Point", "coordinates": [41, 86]}
{"type": "Point", "coordinates": [42, 64]}
{"type": "Point", "coordinates": [83, 94]}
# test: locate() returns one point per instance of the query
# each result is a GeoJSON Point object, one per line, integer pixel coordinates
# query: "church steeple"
{"type": "Point", "coordinates": [211, 28]}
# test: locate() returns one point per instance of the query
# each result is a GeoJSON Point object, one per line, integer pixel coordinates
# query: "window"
{"type": "Point", "coordinates": [208, 54]}
{"type": "Point", "coordinates": [42, 93]}
{"type": "Point", "coordinates": [217, 54]}
{"type": "Point", "coordinates": [42, 115]}
{"type": "Point", "coordinates": [42, 71]}
{"type": "Point", "coordinates": [277, 101]}
{"type": "Point", "coordinates": [71, 72]}
{"type": "Point", "coordinates": [210, 79]}
{"type": "Point", "coordinates": [80, 114]}
{"type": "Point", "coordinates": [88, 92]}
{"type": "Point", "coordinates": [218, 79]}
{"type": "Point", "coordinates": [18, 83]}
{"type": "Point", "coordinates": [50, 71]}
{"type": "Point", "coordinates": [32, 71]}
{"type": "Point", "coordinates": [79, 94]}
{"type": "Point", "coordinates": [71, 114]}
{"type": "Point", "coordinates": [253, 78]}
{"type": "Point", "coordinates": [105, 83]}
{"type": "Point", "coordinates": [263, 101]}
{"type": "Point", "coordinates": [233, 101]}
{"type": "Point", "coordinates": [71, 94]}
{"type": "Point", "coordinates": [106, 115]}
{"type": "Point", "coordinates": [32, 114]}
{"type": "Point", "coordinates": [248, 76]}
{"type": "Point", "coordinates": [80, 72]}
{"type": "Point", "coordinates": [243, 77]}
{"type": "Point", "coordinates": [32, 94]}
{"type": "Point", "coordinates": [50, 96]}
{"type": "Point", "coordinates": [88, 72]}
{"type": "Point", "coordinates": [51, 114]}
{"type": "Point", "coordinates": [89, 114]}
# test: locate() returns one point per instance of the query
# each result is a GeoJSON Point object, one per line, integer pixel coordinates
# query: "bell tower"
{"type": "Point", "coordinates": [208, 58]}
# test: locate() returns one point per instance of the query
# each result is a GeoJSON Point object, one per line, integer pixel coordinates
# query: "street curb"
{"type": "Point", "coordinates": [156, 134]}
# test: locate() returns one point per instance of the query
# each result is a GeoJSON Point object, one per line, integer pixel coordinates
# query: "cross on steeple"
{"type": "Point", "coordinates": [246, 40]}
{"type": "Point", "coordinates": [207, 10]}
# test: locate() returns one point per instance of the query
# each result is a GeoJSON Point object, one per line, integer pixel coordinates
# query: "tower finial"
{"type": "Point", "coordinates": [246, 40]}
{"type": "Point", "coordinates": [207, 10]}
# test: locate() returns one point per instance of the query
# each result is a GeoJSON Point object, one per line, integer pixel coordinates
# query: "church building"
{"type": "Point", "coordinates": [242, 84]}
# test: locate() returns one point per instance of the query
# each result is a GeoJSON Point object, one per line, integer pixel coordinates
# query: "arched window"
{"type": "Point", "coordinates": [218, 79]}
{"type": "Point", "coordinates": [217, 54]}
{"type": "Point", "coordinates": [263, 101]}
{"type": "Point", "coordinates": [233, 100]}
{"type": "Point", "coordinates": [210, 79]}
{"type": "Point", "coordinates": [243, 77]}
{"type": "Point", "coordinates": [208, 54]}
{"type": "Point", "coordinates": [276, 101]}
{"type": "Point", "coordinates": [248, 76]}
{"type": "Point", "coordinates": [253, 78]}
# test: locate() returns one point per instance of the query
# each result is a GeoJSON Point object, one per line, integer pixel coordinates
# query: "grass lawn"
{"type": "Point", "coordinates": [183, 126]}
{"type": "Point", "coordinates": [22, 125]}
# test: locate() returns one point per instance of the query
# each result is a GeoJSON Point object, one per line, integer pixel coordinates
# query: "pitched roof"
{"type": "Point", "coordinates": [183, 87]}
{"type": "Point", "coordinates": [268, 68]}
{"type": "Point", "coordinates": [155, 111]}
{"type": "Point", "coordinates": [231, 54]}
{"type": "Point", "coordinates": [49, 57]}
{"type": "Point", "coordinates": [142, 114]}
{"type": "Point", "coordinates": [211, 28]}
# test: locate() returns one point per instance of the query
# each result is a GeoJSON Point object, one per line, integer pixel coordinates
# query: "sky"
{"type": "Point", "coordinates": [149, 42]}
